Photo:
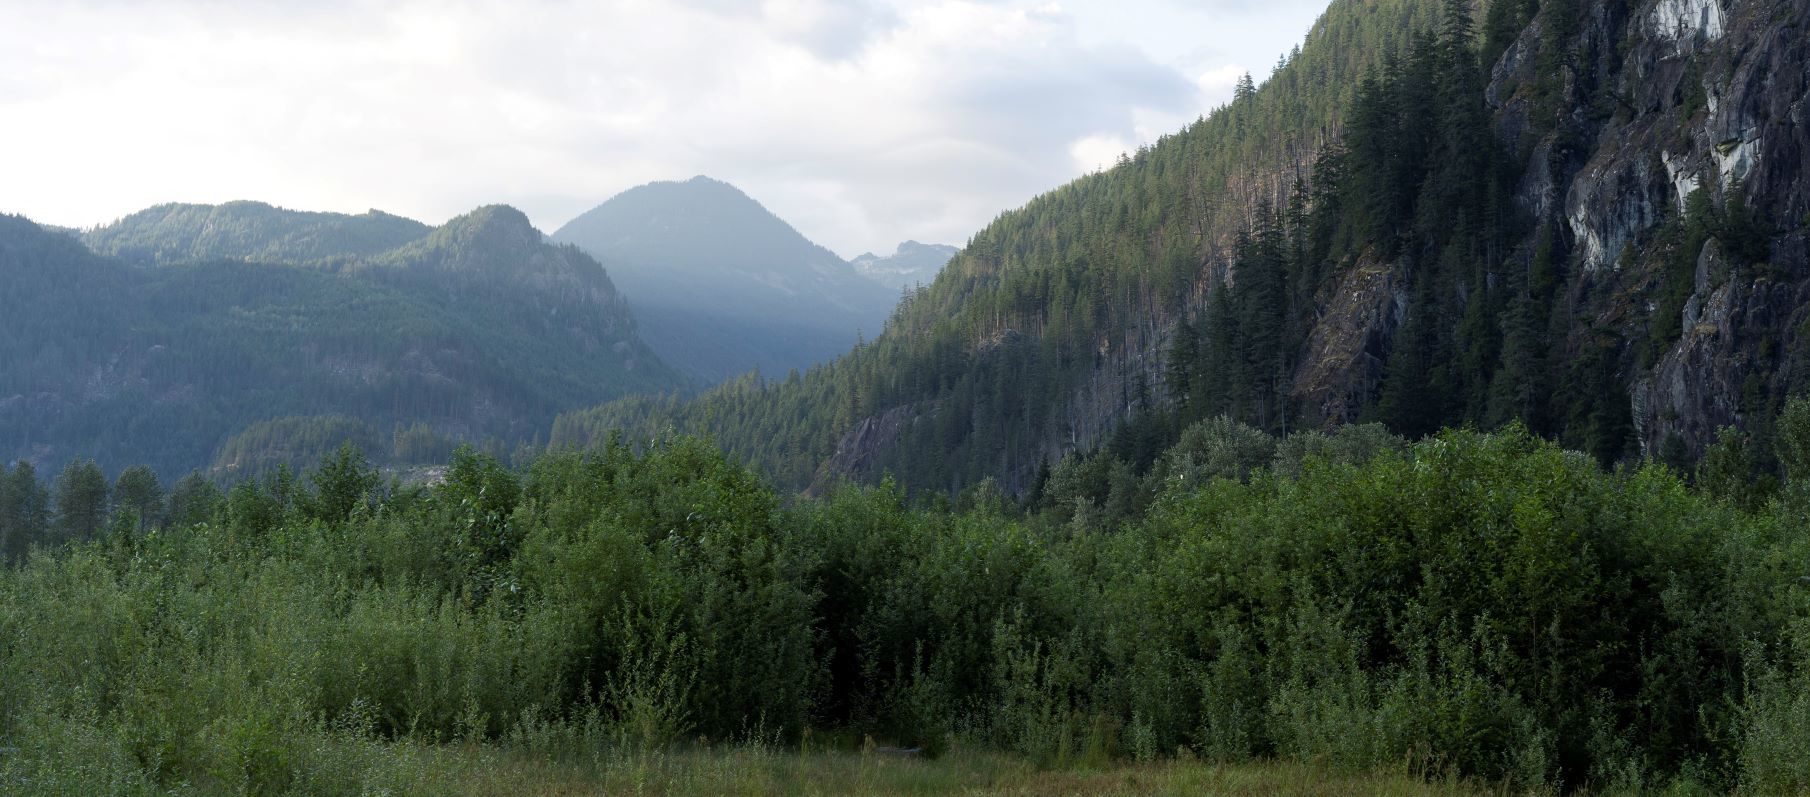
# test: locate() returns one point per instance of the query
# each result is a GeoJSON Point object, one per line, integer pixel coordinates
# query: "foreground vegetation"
{"type": "Point", "coordinates": [483, 770]}
{"type": "Point", "coordinates": [1485, 607]}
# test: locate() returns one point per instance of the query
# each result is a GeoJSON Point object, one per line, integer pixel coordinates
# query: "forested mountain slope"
{"type": "Point", "coordinates": [477, 330]}
{"type": "Point", "coordinates": [1587, 216]}
{"type": "Point", "coordinates": [249, 231]}
{"type": "Point", "coordinates": [721, 286]}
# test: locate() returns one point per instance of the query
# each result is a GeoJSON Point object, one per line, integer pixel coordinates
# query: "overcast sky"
{"type": "Point", "coordinates": [862, 122]}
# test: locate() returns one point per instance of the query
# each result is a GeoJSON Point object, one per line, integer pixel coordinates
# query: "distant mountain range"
{"type": "Point", "coordinates": [911, 265]}
{"type": "Point", "coordinates": [159, 337]}
{"type": "Point", "coordinates": [722, 286]}
{"type": "Point", "coordinates": [241, 336]}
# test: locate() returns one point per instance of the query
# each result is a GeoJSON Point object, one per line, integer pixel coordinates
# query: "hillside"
{"type": "Point", "coordinates": [1418, 218]}
{"type": "Point", "coordinates": [721, 286]}
{"type": "Point", "coordinates": [910, 265]}
{"type": "Point", "coordinates": [249, 231]}
{"type": "Point", "coordinates": [477, 330]}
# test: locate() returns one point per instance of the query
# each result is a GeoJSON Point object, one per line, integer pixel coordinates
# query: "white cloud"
{"type": "Point", "coordinates": [1220, 81]}
{"type": "Point", "coordinates": [863, 122]}
{"type": "Point", "coordinates": [1093, 153]}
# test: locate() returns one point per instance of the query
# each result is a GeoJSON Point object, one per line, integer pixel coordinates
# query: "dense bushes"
{"type": "Point", "coordinates": [1487, 605]}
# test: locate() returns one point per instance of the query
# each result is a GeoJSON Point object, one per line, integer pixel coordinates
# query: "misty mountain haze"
{"type": "Point", "coordinates": [911, 265]}
{"type": "Point", "coordinates": [721, 286]}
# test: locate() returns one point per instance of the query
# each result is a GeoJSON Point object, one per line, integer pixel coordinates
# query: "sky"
{"type": "Point", "coordinates": [862, 122]}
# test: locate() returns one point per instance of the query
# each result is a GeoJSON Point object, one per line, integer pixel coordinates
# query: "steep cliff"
{"type": "Point", "coordinates": [1712, 97]}
{"type": "Point", "coordinates": [1617, 114]}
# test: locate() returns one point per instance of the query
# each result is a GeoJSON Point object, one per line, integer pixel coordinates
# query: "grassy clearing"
{"type": "Point", "coordinates": [754, 771]}
{"type": "Point", "coordinates": [74, 759]}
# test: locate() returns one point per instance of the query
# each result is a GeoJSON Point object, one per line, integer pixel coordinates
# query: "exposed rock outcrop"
{"type": "Point", "coordinates": [1343, 361]}
{"type": "Point", "coordinates": [1673, 97]}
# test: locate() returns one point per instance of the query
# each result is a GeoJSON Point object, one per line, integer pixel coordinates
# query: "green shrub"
{"type": "Point", "coordinates": [1473, 605]}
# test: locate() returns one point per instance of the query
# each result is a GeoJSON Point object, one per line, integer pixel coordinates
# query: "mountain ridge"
{"type": "Point", "coordinates": [910, 264]}
{"type": "Point", "coordinates": [479, 331]}
{"type": "Point", "coordinates": [249, 230]}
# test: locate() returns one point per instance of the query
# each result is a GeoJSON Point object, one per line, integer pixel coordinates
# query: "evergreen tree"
{"type": "Point", "coordinates": [193, 500]}
{"type": "Point", "coordinates": [1220, 368]}
{"type": "Point", "coordinates": [1609, 430]}
{"type": "Point", "coordinates": [1742, 231]}
{"type": "Point", "coordinates": [1407, 403]}
{"type": "Point", "coordinates": [1729, 471]}
{"type": "Point", "coordinates": [1262, 306]}
{"type": "Point", "coordinates": [1502, 24]}
{"type": "Point", "coordinates": [1792, 440]}
{"type": "Point", "coordinates": [1245, 89]}
{"type": "Point", "coordinates": [342, 484]}
{"type": "Point", "coordinates": [138, 492]}
{"type": "Point", "coordinates": [1517, 390]}
{"type": "Point", "coordinates": [1184, 355]}
{"type": "Point", "coordinates": [81, 501]}
{"type": "Point", "coordinates": [24, 510]}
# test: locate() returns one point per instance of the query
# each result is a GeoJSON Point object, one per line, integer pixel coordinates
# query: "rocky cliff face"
{"type": "Point", "coordinates": [1343, 361]}
{"type": "Point", "coordinates": [1650, 101]}
{"type": "Point", "coordinates": [1676, 96]}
